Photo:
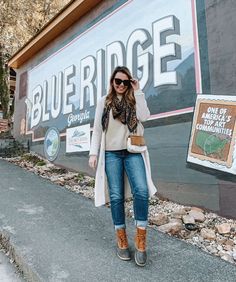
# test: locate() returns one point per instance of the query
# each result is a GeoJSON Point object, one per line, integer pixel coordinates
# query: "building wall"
{"type": "Point", "coordinates": [63, 39]}
{"type": "Point", "coordinates": [221, 33]}
{"type": "Point", "coordinates": [168, 138]}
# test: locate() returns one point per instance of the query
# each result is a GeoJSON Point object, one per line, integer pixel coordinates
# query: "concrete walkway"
{"type": "Point", "coordinates": [8, 272]}
{"type": "Point", "coordinates": [56, 235]}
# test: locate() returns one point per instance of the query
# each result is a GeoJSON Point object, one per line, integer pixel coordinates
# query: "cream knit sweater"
{"type": "Point", "coordinates": [117, 133]}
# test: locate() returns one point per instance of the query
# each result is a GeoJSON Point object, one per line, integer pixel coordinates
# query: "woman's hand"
{"type": "Point", "coordinates": [134, 84]}
{"type": "Point", "coordinates": [93, 161]}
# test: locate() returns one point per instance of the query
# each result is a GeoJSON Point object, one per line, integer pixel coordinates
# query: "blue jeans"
{"type": "Point", "coordinates": [116, 163]}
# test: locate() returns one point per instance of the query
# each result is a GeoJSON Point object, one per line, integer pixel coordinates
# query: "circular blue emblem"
{"type": "Point", "coordinates": [52, 143]}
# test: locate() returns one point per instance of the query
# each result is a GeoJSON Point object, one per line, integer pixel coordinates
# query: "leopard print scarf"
{"type": "Point", "coordinates": [123, 112]}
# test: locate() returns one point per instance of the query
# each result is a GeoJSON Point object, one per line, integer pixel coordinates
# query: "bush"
{"type": "Point", "coordinates": [31, 158]}
{"type": "Point", "coordinates": [41, 163]}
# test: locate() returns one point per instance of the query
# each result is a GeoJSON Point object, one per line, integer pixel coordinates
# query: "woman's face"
{"type": "Point", "coordinates": [121, 83]}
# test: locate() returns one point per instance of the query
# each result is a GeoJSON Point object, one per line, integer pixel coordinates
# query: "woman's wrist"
{"type": "Point", "coordinates": [138, 92]}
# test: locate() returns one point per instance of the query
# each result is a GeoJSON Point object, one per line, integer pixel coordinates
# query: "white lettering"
{"type": "Point", "coordinates": [69, 89]}
{"type": "Point", "coordinates": [45, 115]}
{"type": "Point", "coordinates": [36, 108]}
{"type": "Point", "coordinates": [87, 73]}
{"type": "Point", "coordinates": [57, 89]}
{"type": "Point", "coordinates": [164, 52]}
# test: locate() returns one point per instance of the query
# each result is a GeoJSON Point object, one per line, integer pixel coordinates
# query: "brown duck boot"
{"type": "Point", "coordinates": [140, 247]}
{"type": "Point", "coordinates": [122, 245]}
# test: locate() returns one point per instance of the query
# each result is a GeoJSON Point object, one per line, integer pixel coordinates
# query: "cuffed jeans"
{"type": "Point", "coordinates": [116, 164]}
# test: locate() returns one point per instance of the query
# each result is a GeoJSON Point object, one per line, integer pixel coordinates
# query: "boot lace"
{"type": "Point", "coordinates": [122, 240]}
{"type": "Point", "coordinates": [141, 241]}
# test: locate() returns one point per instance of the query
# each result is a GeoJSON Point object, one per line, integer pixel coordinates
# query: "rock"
{"type": "Point", "coordinates": [222, 253]}
{"type": "Point", "coordinates": [228, 248]}
{"type": "Point", "coordinates": [229, 242]}
{"type": "Point", "coordinates": [45, 168]}
{"type": "Point", "coordinates": [178, 213]}
{"type": "Point", "coordinates": [50, 165]}
{"type": "Point", "coordinates": [223, 228]}
{"type": "Point", "coordinates": [54, 178]}
{"type": "Point", "coordinates": [228, 258]}
{"type": "Point", "coordinates": [212, 250]}
{"type": "Point", "coordinates": [197, 209]}
{"type": "Point", "coordinates": [234, 255]}
{"type": "Point", "coordinates": [233, 229]}
{"type": "Point", "coordinates": [208, 234]}
{"type": "Point", "coordinates": [184, 234]}
{"type": "Point", "coordinates": [69, 176]}
{"type": "Point", "coordinates": [175, 220]}
{"type": "Point", "coordinates": [173, 227]}
{"type": "Point", "coordinates": [198, 216]}
{"type": "Point", "coordinates": [188, 219]}
{"type": "Point", "coordinates": [221, 241]}
{"type": "Point", "coordinates": [160, 219]}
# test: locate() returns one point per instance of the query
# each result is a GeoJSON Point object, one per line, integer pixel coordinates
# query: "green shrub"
{"type": "Point", "coordinates": [31, 158]}
{"type": "Point", "coordinates": [41, 163]}
{"type": "Point", "coordinates": [80, 176]}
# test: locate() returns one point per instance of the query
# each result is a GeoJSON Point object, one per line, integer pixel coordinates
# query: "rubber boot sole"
{"type": "Point", "coordinates": [122, 258]}
{"type": "Point", "coordinates": [138, 263]}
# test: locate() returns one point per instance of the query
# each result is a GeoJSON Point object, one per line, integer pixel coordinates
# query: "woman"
{"type": "Point", "coordinates": [118, 115]}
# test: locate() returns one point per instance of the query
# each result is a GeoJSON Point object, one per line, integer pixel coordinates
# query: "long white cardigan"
{"type": "Point", "coordinates": [98, 142]}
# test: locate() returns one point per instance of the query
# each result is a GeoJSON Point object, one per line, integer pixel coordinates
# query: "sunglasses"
{"type": "Point", "coordinates": [126, 82]}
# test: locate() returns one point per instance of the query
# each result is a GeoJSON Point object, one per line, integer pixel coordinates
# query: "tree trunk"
{"type": "Point", "coordinates": [4, 86]}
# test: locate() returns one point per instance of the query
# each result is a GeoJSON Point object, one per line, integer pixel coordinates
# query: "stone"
{"type": "Point", "coordinates": [208, 234]}
{"type": "Point", "coordinates": [229, 242]}
{"type": "Point", "coordinates": [233, 229]}
{"type": "Point", "coordinates": [198, 216]}
{"type": "Point", "coordinates": [178, 213]}
{"type": "Point", "coordinates": [173, 227]}
{"type": "Point", "coordinates": [228, 248]}
{"type": "Point", "coordinates": [197, 209]}
{"type": "Point", "coordinates": [188, 219]}
{"type": "Point", "coordinates": [212, 250]}
{"type": "Point", "coordinates": [50, 165]}
{"type": "Point", "coordinates": [45, 168]}
{"type": "Point", "coordinates": [69, 176]}
{"type": "Point", "coordinates": [223, 228]}
{"type": "Point", "coordinates": [160, 219]}
{"type": "Point", "coordinates": [228, 258]}
{"type": "Point", "coordinates": [222, 253]}
{"type": "Point", "coordinates": [234, 255]}
{"type": "Point", "coordinates": [175, 220]}
{"type": "Point", "coordinates": [221, 241]}
{"type": "Point", "coordinates": [54, 178]}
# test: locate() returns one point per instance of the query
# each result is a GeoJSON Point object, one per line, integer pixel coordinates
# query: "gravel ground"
{"type": "Point", "coordinates": [206, 230]}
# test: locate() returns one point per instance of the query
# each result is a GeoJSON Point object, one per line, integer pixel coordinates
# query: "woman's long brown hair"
{"type": "Point", "coordinates": [128, 95]}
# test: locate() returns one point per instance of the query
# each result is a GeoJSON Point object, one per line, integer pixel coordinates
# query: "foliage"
{"type": "Point", "coordinates": [22, 19]}
{"type": "Point", "coordinates": [4, 86]}
{"type": "Point", "coordinates": [13, 148]}
{"type": "Point", "coordinates": [58, 170]}
{"type": "Point", "coordinates": [80, 176]}
{"type": "Point", "coordinates": [91, 182]}
{"type": "Point", "coordinates": [31, 158]}
{"type": "Point", "coordinates": [41, 163]}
